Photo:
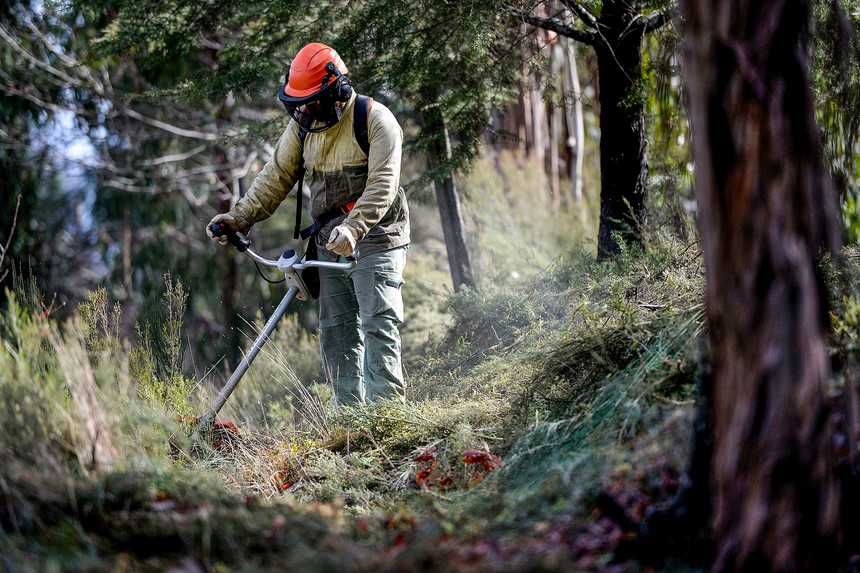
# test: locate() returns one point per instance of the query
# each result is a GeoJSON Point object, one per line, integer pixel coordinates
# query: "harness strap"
{"type": "Point", "coordinates": [320, 222]}
{"type": "Point", "coordinates": [359, 122]}
{"type": "Point", "coordinates": [359, 130]}
{"type": "Point", "coordinates": [300, 190]}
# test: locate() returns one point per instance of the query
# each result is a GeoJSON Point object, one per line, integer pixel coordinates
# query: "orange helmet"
{"type": "Point", "coordinates": [315, 83]}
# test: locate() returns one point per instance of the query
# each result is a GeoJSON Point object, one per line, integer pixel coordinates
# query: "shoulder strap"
{"type": "Point", "coordinates": [359, 128]}
{"type": "Point", "coordinates": [359, 122]}
{"type": "Point", "coordinates": [301, 183]}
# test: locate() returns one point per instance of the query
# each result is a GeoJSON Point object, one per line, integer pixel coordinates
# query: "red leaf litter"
{"type": "Point", "coordinates": [430, 473]}
{"type": "Point", "coordinates": [226, 425]}
{"type": "Point", "coordinates": [595, 542]}
{"type": "Point", "coordinates": [486, 460]}
{"type": "Point", "coordinates": [481, 463]}
{"type": "Point", "coordinates": [426, 455]}
{"type": "Point", "coordinates": [427, 464]}
{"type": "Point", "coordinates": [224, 434]}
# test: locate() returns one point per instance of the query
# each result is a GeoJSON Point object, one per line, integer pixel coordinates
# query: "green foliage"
{"type": "Point", "coordinates": [462, 57]}
{"type": "Point", "coordinates": [107, 523]}
{"type": "Point", "coordinates": [670, 162]}
{"type": "Point", "coordinates": [101, 321]}
{"type": "Point", "coordinates": [30, 171]}
{"type": "Point", "coordinates": [835, 59]}
{"type": "Point", "coordinates": [155, 364]}
{"type": "Point", "coordinates": [33, 396]}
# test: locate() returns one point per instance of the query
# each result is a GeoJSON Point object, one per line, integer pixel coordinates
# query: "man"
{"type": "Point", "coordinates": [359, 209]}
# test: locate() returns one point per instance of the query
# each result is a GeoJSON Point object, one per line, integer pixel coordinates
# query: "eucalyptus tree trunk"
{"type": "Point", "coordinates": [623, 169]}
{"type": "Point", "coordinates": [557, 62]}
{"type": "Point", "coordinates": [767, 209]}
{"type": "Point", "coordinates": [573, 112]}
{"type": "Point", "coordinates": [447, 198]}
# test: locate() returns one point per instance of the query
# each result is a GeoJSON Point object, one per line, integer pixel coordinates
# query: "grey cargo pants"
{"type": "Point", "coordinates": [360, 315]}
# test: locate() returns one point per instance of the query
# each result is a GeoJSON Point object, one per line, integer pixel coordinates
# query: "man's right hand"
{"type": "Point", "coordinates": [226, 220]}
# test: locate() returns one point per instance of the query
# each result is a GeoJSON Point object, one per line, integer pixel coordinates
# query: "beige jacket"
{"type": "Point", "coordinates": [337, 172]}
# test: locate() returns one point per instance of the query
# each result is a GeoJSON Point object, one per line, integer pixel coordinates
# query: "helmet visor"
{"type": "Point", "coordinates": [314, 113]}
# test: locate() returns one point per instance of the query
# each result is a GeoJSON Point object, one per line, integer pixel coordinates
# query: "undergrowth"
{"type": "Point", "coordinates": [540, 397]}
{"type": "Point", "coordinates": [516, 390]}
{"type": "Point", "coordinates": [528, 398]}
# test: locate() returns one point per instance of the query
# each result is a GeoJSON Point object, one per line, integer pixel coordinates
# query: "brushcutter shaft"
{"type": "Point", "coordinates": [288, 263]}
{"type": "Point", "coordinates": [209, 418]}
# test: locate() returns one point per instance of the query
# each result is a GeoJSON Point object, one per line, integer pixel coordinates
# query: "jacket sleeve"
{"type": "Point", "coordinates": [383, 171]}
{"type": "Point", "coordinates": [273, 183]}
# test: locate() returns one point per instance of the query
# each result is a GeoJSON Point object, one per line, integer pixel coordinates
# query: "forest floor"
{"type": "Point", "coordinates": [546, 415]}
{"type": "Point", "coordinates": [541, 400]}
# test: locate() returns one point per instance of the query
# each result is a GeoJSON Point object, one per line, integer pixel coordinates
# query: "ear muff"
{"type": "Point", "coordinates": [342, 87]}
{"type": "Point", "coordinates": [317, 111]}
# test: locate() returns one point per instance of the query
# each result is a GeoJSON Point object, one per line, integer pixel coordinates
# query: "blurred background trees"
{"type": "Point", "coordinates": [127, 124]}
{"type": "Point", "coordinates": [616, 33]}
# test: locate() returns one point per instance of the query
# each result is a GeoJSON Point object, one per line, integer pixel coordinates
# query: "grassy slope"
{"type": "Point", "coordinates": [579, 376]}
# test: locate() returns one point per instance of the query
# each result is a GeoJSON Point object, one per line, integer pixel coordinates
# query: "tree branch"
{"type": "Point", "coordinates": [4, 249]}
{"type": "Point", "coordinates": [173, 158]}
{"type": "Point", "coordinates": [582, 13]}
{"type": "Point", "coordinates": [658, 19]}
{"type": "Point", "coordinates": [10, 40]}
{"type": "Point", "coordinates": [170, 128]}
{"type": "Point", "coordinates": [559, 27]}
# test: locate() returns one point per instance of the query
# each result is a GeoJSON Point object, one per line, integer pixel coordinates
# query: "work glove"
{"type": "Point", "coordinates": [229, 221]}
{"type": "Point", "coordinates": [341, 241]}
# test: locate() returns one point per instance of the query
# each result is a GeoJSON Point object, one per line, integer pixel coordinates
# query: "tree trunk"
{"type": "Point", "coordinates": [527, 136]}
{"type": "Point", "coordinates": [127, 268]}
{"type": "Point", "coordinates": [575, 126]}
{"type": "Point", "coordinates": [448, 199]}
{"type": "Point", "coordinates": [539, 121]}
{"type": "Point", "coordinates": [623, 169]}
{"type": "Point", "coordinates": [556, 66]}
{"type": "Point", "coordinates": [230, 265]}
{"type": "Point", "coordinates": [767, 208]}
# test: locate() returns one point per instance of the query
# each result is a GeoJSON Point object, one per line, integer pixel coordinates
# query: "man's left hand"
{"type": "Point", "coordinates": [341, 241]}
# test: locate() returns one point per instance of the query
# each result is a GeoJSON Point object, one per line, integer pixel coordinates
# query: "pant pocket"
{"type": "Point", "coordinates": [389, 296]}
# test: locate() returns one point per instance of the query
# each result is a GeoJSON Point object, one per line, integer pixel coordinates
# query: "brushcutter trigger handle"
{"type": "Point", "coordinates": [240, 243]}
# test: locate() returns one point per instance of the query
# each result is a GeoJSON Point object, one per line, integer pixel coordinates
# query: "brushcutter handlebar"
{"type": "Point", "coordinates": [234, 238]}
{"type": "Point", "coordinates": [288, 258]}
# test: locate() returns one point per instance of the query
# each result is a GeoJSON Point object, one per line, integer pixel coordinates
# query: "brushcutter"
{"type": "Point", "coordinates": [291, 265]}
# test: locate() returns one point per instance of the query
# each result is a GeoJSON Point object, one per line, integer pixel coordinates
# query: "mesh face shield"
{"type": "Point", "coordinates": [314, 113]}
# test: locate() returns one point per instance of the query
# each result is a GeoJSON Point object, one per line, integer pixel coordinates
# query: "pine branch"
{"type": "Point", "coordinates": [9, 39]}
{"type": "Point", "coordinates": [168, 127]}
